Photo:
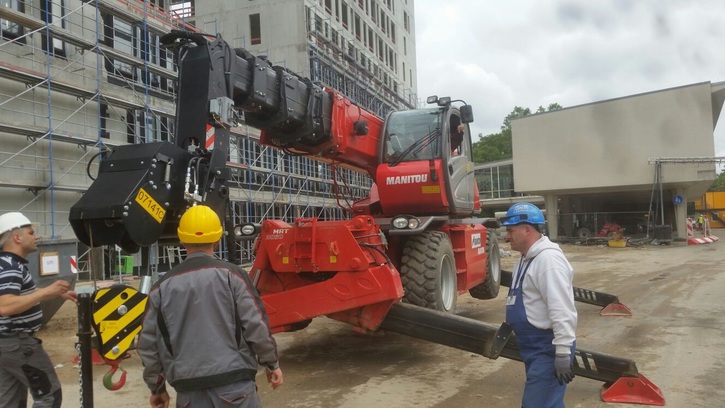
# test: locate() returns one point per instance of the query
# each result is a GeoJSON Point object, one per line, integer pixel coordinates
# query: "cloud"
{"type": "Point", "coordinates": [498, 55]}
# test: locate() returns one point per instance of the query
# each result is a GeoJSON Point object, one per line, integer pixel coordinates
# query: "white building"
{"type": "Point", "coordinates": [642, 154]}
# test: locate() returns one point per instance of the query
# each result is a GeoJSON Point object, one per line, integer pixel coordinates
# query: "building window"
{"type": "Point", "coordinates": [8, 29]}
{"type": "Point", "coordinates": [143, 128]}
{"type": "Point", "coordinates": [130, 126]}
{"type": "Point", "coordinates": [133, 41]}
{"type": "Point", "coordinates": [335, 38]}
{"type": "Point", "coordinates": [104, 133]}
{"type": "Point", "coordinates": [255, 28]}
{"type": "Point", "coordinates": [52, 12]}
{"type": "Point", "coordinates": [357, 27]}
{"type": "Point", "coordinates": [344, 15]}
{"type": "Point", "coordinates": [181, 10]}
{"type": "Point", "coordinates": [167, 129]}
{"type": "Point", "coordinates": [318, 24]}
{"type": "Point", "coordinates": [122, 38]}
{"type": "Point", "coordinates": [150, 52]}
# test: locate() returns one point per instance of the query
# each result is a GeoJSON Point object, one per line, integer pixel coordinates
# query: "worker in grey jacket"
{"type": "Point", "coordinates": [540, 308]}
{"type": "Point", "coordinates": [205, 330]}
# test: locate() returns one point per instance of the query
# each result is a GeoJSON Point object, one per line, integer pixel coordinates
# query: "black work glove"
{"type": "Point", "coordinates": [562, 366]}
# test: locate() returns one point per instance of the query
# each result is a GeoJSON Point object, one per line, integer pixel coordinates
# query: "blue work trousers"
{"type": "Point", "coordinates": [542, 389]}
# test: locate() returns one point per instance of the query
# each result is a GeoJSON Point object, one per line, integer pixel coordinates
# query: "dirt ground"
{"type": "Point", "coordinates": [674, 336]}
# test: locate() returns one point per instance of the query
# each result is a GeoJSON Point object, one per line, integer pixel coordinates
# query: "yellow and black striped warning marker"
{"type": "Point", "coordinates": [117, 316]}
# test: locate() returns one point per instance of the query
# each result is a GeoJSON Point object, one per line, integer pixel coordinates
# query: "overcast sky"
{"type": "Point", "coordinates": [497, 54]}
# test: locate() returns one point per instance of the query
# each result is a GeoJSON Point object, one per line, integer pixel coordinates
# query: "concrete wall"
{"type": "Point", "coordinates": [606, 145]}
{"type": "Point", "coordinates": [284, 31]}
{"type": "Point", "coordinates": [282, 23]}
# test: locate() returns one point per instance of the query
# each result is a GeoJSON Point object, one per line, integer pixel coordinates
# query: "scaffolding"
{"type": "Point", "coordinates": [338, 62]}
{"type": "Point", "coordinates": [78, 77]}
{"type": "Point", "coordinates": [67, 92]}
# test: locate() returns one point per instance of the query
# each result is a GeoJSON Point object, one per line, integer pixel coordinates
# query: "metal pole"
{"type": "Point", "coordinates": [662, 200]}
{"type": "Point", "coordinates": [146, 274]}
{"type": "Point", "coordinates": [84, 349]}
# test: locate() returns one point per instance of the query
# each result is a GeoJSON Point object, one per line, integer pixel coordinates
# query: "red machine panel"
{"type": "Point", "coordinates": [358, 150]}
{"type": "Point", "coordinates": [469, 246]}
{"type": "Point", "coordinates": [312, 269]}
{"type": "Point", "coordinates": [415, 187]}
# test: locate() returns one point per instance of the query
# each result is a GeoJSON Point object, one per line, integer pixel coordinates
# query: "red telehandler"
{"type": "Point", "coordinates": [412, 239]}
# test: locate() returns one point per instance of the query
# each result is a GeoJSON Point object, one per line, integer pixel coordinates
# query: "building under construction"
{"type": "Point", "coordinates": [77, 77]}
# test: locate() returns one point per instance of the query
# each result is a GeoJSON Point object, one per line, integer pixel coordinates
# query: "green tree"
{"type": "Point", "coordinates": [719, 184]}
{"type": "Point", "coordinates": [497, 146]}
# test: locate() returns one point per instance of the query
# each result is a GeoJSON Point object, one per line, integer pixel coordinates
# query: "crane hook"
{"type": "Point", "coordinates": [108, 377]}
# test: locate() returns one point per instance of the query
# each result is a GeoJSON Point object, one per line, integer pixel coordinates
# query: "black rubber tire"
{"type": "Point", "coordinates": [584, 233]}
{"type": "Point", "coordinates": [491, 285]}
{"type": "Point", "coordinates": [428, 272]}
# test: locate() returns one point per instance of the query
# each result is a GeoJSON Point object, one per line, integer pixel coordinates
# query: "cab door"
{"type": "Point", "coordinates": [458, 160]}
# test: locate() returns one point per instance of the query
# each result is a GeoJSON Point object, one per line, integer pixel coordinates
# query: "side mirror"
{"type": "Point", "coordinates": [466, 113]}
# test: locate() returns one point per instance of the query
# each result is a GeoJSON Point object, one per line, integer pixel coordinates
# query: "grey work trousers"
{"type": "Point", "coordinates": [24, 365]}
{"type": "Point", "coordinates": [242, 394]}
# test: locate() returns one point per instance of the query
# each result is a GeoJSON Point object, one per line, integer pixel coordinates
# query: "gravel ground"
{"type": "Point", "coordinates": [674, 335]}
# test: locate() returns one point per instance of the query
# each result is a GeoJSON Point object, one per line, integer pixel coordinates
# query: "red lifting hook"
{"type": "Point", "coordinates": [108, 377]}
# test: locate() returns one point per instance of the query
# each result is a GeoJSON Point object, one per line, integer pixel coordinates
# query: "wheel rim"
{"type": "Point", "coordinates": [449, 286]}
{"type": "Point", "coordinates": [494, 264]}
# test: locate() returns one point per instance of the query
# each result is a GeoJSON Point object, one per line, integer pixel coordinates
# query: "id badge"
{"type": "Point", "coordinates": [511, 300]}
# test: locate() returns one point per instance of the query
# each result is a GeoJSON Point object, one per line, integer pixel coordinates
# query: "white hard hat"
{"type": "Point", "coordinates": [10, 221]}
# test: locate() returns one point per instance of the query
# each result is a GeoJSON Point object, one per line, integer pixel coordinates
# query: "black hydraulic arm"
{"type": "Point", "coordinates": [142, 189]}
{"type": "Point", "coordinates": [224, 81]}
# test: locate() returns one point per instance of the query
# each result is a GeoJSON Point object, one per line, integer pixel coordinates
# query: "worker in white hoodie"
{"type": "Point", "coordinates": [540, 308]}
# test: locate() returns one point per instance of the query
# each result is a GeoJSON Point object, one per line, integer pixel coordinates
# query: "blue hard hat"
{"type": "Point", "coordinates": [523, 213]}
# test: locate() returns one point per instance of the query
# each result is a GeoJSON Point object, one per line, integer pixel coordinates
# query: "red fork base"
{"type": "Point", "coordinates": [616, 309]}
{"type": "Point", "coordinates": [633, 390]}
{"type": "Point", "coordinates": [96, 358]}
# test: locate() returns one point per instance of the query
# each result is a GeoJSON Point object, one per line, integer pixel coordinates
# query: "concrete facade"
{"type": "Point", "coordinates": [364, 48]}
{"type": "Point", "coordinates": [603, 156]}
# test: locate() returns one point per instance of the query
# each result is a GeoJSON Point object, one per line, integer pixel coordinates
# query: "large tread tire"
{"type": "Point", "coordinates": [428, 272]}
{"type": "Point", "coordinates": [490, 286]}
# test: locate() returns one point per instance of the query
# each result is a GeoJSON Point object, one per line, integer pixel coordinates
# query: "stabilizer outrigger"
{"type": "Point", "coordinates": [622, 382]}
{"type": "Point", "coordinates": [611, 306]}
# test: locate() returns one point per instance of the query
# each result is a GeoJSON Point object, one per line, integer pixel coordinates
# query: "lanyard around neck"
{"type": "Point", "coordinates": [520, 275]}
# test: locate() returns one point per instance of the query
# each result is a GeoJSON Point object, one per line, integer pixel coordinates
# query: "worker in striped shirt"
{"type": "Point", "coordinates": [24, 365]}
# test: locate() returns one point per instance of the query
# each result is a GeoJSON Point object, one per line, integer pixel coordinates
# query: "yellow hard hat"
{"type": "Point", "coordinates": [199, 225]}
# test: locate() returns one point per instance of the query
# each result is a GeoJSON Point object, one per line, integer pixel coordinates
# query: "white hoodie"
{"type": "Point", "coordinates": [548, 292]}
